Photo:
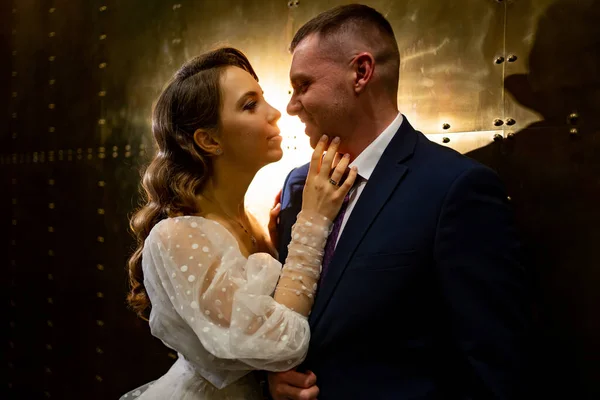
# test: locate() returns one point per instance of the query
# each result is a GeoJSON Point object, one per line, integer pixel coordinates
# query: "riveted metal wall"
{"type": "Point", "coordinates": [550, 162]}
{"type": "Point", "coordinates": [512, 83]}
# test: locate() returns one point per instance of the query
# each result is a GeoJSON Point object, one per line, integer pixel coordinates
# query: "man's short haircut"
{"type": "Point", "coordinates": [357, 23]}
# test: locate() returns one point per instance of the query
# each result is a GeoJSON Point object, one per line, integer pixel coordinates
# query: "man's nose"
{"type": "Point", "coordinates": [293, 107]}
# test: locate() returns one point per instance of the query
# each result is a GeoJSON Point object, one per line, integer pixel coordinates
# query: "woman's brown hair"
{"type": "Point", "coordinates": [178, 171]}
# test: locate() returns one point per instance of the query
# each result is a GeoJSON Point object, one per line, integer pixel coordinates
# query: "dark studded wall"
{"type": "Point", "coordinates": [513, 83]}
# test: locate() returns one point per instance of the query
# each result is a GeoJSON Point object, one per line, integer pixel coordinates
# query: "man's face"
{"type": "Point", "coordinates": [323, 95]}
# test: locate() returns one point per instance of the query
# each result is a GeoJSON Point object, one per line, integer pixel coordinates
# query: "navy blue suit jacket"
{"type": "Point", "coordinates": [425, 297]}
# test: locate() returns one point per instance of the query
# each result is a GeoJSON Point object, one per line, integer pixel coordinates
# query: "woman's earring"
{"type": "Point", "coordinates": [219, 152]}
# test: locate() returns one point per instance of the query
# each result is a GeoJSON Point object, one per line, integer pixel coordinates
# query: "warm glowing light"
{"type": "Point", "coordinates": [296, 152]}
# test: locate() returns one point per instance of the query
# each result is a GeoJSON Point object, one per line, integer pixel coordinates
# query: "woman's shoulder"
{"type": "Point", "coordinates": [184, 227]}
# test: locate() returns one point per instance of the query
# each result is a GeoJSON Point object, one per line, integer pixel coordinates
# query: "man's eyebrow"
{"type": "Point", "coordinates": [299, 78]}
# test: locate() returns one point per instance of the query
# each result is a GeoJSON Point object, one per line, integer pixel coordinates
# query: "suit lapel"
{"type": "Point", "coordinates": [384, 180]}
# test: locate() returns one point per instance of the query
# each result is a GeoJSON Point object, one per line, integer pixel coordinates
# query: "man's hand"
{"type": "Point", "coordinates": [274, 220]}
{"type": "Point", "coordinates": [293, 385]}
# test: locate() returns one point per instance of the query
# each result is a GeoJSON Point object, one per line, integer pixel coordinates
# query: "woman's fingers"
{"type": "Point", "coordinates": [329, 156]}
{"type": "Point", "coordinates": [315, 161]}
{"type": "Point", "coordinates": [340, 169]}
{"type": "Point", "coordinates": [347, 185]}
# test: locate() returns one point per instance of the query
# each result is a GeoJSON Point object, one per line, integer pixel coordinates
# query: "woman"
{"type": "Point", "coordinates": [204, 267]}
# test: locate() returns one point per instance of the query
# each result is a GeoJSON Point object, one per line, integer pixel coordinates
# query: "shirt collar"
{"type": "Point", "coordinates": [369, 157]}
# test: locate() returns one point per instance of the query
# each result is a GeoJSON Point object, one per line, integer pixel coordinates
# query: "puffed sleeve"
{"type": "Point", "coordinates": [226, 299]}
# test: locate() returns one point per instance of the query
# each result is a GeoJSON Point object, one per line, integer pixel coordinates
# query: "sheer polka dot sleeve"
{"type": "Point", "coordinates": [300, 275]}
{"type": "Point", "coordinates": [199, 282]}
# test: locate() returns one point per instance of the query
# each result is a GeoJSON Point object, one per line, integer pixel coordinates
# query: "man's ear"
{"type": "Point", "coordinates": [206, 141]}
{"type": "Point", "coordinates": [364, 66]}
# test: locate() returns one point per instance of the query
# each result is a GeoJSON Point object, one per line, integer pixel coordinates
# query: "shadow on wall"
{"type": "Point", "coordinates": [552, 172]}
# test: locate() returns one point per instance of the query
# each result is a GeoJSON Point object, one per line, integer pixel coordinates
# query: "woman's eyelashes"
{"type": "Point", "coordinates": [250, 105]}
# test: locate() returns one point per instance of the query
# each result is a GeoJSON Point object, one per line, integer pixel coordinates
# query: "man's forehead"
{"type": "Point", "coordinates": [304, 51]}
{"type": "Point", "coordinates": [307, 55]}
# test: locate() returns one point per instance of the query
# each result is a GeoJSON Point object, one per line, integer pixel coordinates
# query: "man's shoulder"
{"type": "Point", "coordinates": [444, 165]}
{"type": "Point", "coordinates": [294, 181]}
{"type": "Point", "coordinates": [297, 175]}
{"type": "Point", "coordinates": [446, 158]}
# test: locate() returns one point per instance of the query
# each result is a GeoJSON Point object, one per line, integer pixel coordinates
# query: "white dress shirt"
{"type": "Point", "coordinates": [366, 162]}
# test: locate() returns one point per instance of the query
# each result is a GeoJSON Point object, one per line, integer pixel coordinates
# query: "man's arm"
{"type": "Point", "coordinates": [484, 287]}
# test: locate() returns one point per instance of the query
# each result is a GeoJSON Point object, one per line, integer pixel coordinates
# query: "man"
{"type": "Point", "coordinates": [424, 297]}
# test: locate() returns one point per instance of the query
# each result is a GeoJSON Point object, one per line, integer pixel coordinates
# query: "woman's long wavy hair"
{"type": "Point", "coordinates": [179, 169]}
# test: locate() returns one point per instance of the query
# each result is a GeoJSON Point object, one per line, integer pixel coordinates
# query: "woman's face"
{"type": "Point", "coordinates": [249, 135]}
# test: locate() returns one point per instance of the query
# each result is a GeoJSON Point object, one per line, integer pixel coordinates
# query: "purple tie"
{"type": "Point", "coordinates": [332, 239]}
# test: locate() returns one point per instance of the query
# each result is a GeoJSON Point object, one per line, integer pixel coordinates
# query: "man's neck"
{"type": "Point", "coordinates": [368, 128]}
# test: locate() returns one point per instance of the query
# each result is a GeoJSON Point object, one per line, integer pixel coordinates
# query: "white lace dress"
{"type": "Point", "coordinates": [215, 307]}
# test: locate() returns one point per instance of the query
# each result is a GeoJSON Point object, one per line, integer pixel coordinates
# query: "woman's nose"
{"type": "Point", "coordinates": [274, 114]}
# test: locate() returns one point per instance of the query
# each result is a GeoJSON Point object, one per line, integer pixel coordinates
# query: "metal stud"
{"type": "Point", "coordinates": [573, 118]}
{"type": "Point", "coordinates": [510, 121]}
{"type": "Point", "coordinates": [446, 126]}
{"type": "Point", "coordinates": [446, 140]}
{"type": "Point", "coordinates": [512, 58]}
{"type": "Point", "coordinates": [499, 60]}
{"type": "Point", "coordinates": [498, 122]}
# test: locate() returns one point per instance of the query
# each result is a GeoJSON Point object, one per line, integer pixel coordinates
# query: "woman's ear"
{"type": "Point", "coordinates": [364, 65]}
{"type": "Point", "coordinates": [207, 142]}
